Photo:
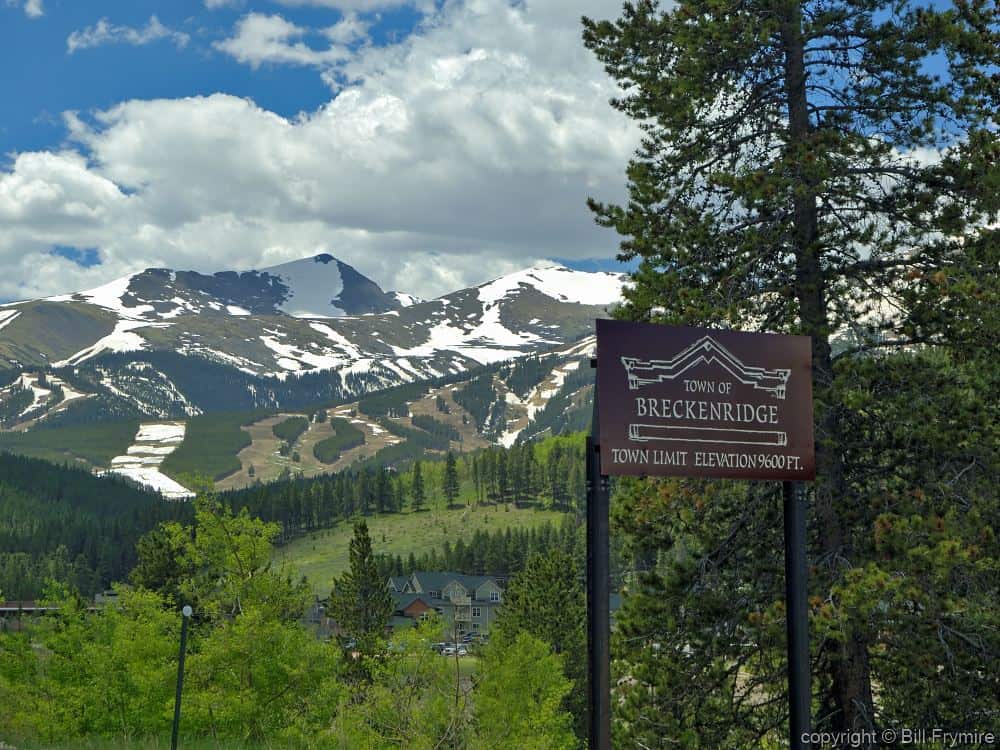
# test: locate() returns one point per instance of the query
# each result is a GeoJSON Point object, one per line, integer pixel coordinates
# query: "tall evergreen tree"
{"type": "Point", "coordinates": [802, 171]}
{"type": "Point", "coordinates": [546, 600]}
{"type": "Point", "coordinates": [450, 479]}
{"type": "Point", "coordinates": [360, 601]}
{"type": "Point", "coordinates": [418, 496]}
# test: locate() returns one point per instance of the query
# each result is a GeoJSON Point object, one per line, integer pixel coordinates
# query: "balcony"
{"type": "Point", "coordinates": [461, 601]}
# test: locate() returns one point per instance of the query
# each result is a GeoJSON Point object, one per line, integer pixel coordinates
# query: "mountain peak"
{"type": "Point", "coordinates": [558, 282]}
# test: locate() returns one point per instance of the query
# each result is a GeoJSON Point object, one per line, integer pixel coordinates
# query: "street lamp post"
{"type": "Point", "coordinates": [185, 618]}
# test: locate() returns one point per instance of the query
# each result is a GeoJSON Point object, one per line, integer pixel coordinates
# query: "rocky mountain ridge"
{"type": "Point", "coordinates": [165, 344]}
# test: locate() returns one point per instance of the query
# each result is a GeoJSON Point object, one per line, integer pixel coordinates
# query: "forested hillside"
{"type": "Point", "coordinates": [502, 552]}
{"type": "Point", "coordinates": [63, 524]}
{"type": "Point", "coordinates": [546, 474]}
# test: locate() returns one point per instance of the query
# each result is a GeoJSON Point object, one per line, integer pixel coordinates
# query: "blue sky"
{"type": "Point", "coordinates": [52, 81]}
{"type": "Point", "coordinates": [432, 144]}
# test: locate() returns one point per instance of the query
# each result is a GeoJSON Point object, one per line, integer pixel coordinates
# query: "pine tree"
{"type": "Point", "coordinates": [418, 495]}
{"type": "Point", "coordinates": [450, 479]}
{"type": "Point", "coordinates": [360, 601]}
{"type": "Point", "coordinates": [546, 599]}
{"type": "Point", "coordinates": [502, 477]}
{"type": "Point", "coordinates": [801, 172]}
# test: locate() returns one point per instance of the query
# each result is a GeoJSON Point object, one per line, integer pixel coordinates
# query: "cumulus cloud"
{"type": "Point", "coordinates": [463, 152]}
{"type": "Point", "coordinates": [104, 32]}
{"type": "Point", "coordinates": [213, 4]}
{"type": "Point", "coordinates": [260, 39]}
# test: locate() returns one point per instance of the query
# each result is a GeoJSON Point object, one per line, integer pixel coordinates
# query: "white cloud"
{"type": "Point", "coordinates": [32, 8]}
{"type": "Point", "coordinates": [104, 32]}
{"type": "Point", "coordinates": [464, 152]}
{"type": "Point", "coordinates": [349, 29]}
{"type": "Point", "coordinates": [213, 4]}
{"type": "Point", "coordinates": [364, 6]}
{"type": "Point", "coordinates": [263, 39]}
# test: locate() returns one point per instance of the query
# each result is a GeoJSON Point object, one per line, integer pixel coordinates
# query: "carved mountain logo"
{"type": "Point", "coordinates": [704, 351]}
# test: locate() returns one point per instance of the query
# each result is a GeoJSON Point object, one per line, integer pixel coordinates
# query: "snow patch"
{"type": "Point", "coordinates": [406, 300]}
{"type": "Point", "coordinates": [109, 296]}
{"type": "Point", "coordinates": [121, 339]}
{"type": "Point", "coordinates": [558, 282]}
{"type": "Point", "coordinates": [312, 284]}
{"type": "Point", "coordinates": [7, 317]}
{"type": "Point", "coordinates": [141, 462]}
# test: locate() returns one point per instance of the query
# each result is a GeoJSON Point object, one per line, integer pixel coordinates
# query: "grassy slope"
{"type": "Point", "coordinates": [96, 444]}
{"type": "Point", "coordinates": [323, 554]}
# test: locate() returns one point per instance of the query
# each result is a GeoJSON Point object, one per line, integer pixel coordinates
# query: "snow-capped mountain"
{"type": "Point", "coordinates": [317, 287]}
{"type": "Point", "coordinates": [152, 342]}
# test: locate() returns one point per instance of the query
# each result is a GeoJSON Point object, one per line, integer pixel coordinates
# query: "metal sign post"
{"type": "Point", "coordinates": [796, 615]}
{"type": "Point", "coordinates": [598, 594]}
{"type": "Point", "coordinates": [696, 402]}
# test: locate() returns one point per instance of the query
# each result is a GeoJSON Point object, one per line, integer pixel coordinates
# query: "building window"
{"type": "Point", "coordinates": [434, 594]}
{"type": "Point", "coordinates": [475, 626]}
{"type": "Point", "coordinates": [494, 596]}
{"type": "Point", "coordinates": [477, 611]}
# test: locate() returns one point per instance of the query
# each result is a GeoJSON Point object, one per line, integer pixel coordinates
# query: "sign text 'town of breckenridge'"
{"type": "Point", "coordinates": [681, 401]}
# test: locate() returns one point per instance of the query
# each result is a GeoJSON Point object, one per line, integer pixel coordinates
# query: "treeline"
{"type": "Point", "coordinates": [551, 473]}
{"type": "Point", "coordinates": [502, 552]}
{"type": "Point", "coordinates": [547, 473]}
{"type": "Point", "coordinates": [569, 410]}
{"type": "Point", "coordinates": [393, 402]}
{"type": "Point", "coordinates": [419, 438]}
{"type": "Point", "coordinates": [14, 402]}
{"type": "Point", "coordinates": [524, 374]}
{"type": "Point", "coordinates": [478, 398]}
{"type": "Point", "coordinates": [301, 505]}
{"type": "Point", "coordinates": [64, 524]}
{"type": "Point", "coordinates": [211, 386]}
{"type": "Point", "coordinates": [290, 429]}
{"type": "Point", "coordinates": [345, 437]}
{"type": "Point", "coordinates": [211, 443]}
{"type": "Point", "coordinates": [435, 427]}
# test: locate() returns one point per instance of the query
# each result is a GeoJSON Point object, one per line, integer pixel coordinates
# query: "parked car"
{"type": "Point", "coordinates": [452, 649]}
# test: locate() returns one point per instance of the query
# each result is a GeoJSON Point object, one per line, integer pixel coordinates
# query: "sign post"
{"type": "Point", "coordinates": [796, 614]}
{"type": "Point", "coordinates": [598, 592]}
{"type": "Point", "coordinates": [695, 402]}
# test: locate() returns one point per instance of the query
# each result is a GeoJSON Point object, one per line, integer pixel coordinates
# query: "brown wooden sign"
{"type": "Point", "coordinates": [695, 402]}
